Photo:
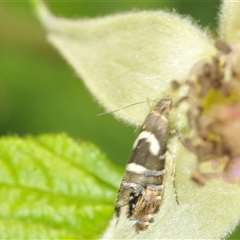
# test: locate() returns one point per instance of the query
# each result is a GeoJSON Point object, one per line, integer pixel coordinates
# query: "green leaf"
{"type": "Point", "coordinates": [54, 187]}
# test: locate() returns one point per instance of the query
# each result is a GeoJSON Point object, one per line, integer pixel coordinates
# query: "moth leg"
{"type": "Point", "coordinates": [174, 166]}
{"type": "Point", "coordinates": [174, 178]}
{"type": "Point", "coordinates": [175, 131]}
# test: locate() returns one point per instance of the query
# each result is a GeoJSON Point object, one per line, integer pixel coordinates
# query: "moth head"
{"type": "Point", "coordinates": [164, 105]}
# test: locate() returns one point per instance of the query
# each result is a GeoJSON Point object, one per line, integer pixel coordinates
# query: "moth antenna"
{"type": "Point", "coordinates": [130, 105]}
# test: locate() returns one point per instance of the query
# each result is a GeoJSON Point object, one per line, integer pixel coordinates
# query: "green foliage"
{"type": "Point", "coordinates": [54, 187]}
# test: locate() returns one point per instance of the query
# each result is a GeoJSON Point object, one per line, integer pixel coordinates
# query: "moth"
{"type": "Point", "coordinates": [142, 184]}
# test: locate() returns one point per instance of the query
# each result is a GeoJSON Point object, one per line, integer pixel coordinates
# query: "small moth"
{"type": "Point", "coordinates": [142, 184]}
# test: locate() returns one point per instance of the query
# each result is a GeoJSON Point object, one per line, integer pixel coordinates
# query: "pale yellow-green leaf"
{"type": "Point", "coordinates": [229, 21]}
{"type": "Point", "coordinates": [209, 212]}
{"type": "Point", "coordinates": [129, 57]}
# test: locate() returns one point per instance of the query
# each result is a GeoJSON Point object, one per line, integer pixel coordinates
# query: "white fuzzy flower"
{"type": "Point", "coordinates": [132, 57]}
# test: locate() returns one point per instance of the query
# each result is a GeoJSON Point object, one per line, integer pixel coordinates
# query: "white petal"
{"type": "Point", "coordinates": [229, 21]}
{"type": "Point", "coordinates": [127, 58]}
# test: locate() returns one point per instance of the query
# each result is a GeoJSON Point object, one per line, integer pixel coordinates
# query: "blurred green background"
{"type": "Point", "coordinates": [40, 93]}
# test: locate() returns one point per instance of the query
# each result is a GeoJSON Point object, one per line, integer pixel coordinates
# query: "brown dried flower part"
{"type": "Point", "coordinates": [214, 114]}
